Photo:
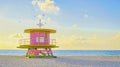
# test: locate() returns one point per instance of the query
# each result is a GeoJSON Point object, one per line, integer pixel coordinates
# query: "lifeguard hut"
{"type": "Point", "coordinates": [39, 44]}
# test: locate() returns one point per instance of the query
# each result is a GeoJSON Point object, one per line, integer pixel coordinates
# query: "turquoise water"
{"type": "Point", "coordinates": [67, 52]}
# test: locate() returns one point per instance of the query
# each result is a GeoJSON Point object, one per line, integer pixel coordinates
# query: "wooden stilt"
{"type": "Point", "coordinates": [47, 51]}
{"type": "Point", "coordinates": [51, 54]}
{"type": "Point", "coordinates": [27, 52]}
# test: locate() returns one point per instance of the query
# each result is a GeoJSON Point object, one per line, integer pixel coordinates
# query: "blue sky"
{"type": "Point", "coordinates": [102, 14]}
{"type": "Point", "coordinates": [75, 17]}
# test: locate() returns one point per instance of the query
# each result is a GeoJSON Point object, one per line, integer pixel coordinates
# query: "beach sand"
{"type": "Point", "coordinates": [61, 61]}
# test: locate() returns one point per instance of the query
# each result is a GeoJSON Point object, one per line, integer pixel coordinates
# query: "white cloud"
{"type": "Point", "coordinates": [46, 6]}
{"type": "Point", "coordinates": [50, 22]}
{"type": "Point", "coordinates": [85, 16]}
{"type": "Point", "coordinates": [92, 41]}
{"type": "Point", "coordinates": [116, 36]}
{"type": "Point", "coordinates": [18, 35]}
{"type": "Point", "coordinates": [46, 20]}
{"type": "Point", "coordinates": [74, 25]}
{"type": "Point", "coordinates": [34, 2]}
{"type": "Point", "coordinates": [39, 16]}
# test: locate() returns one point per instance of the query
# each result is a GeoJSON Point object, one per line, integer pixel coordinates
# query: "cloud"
{"type": "Point", "coordinates": [50, 22]}
{"type": "Point", "coordinates": [17, 35]}
{"type": "Point", "coordinates": [85, 16]}
{"type": "Point", "coordinates": [46, 6]}
{"type": "Point", "coordinates": [74, 25]}
{"type": "Point", "coordinates": [89, 42]}
{"type": "Point", "coordinates": [46, 20]}
{"type": "Point", "coordinates": [116, 36]}
{"type": "Point", "coordinates": [115, 39]}
{"type": "Point", "coordinates": [34, 2]}
{"type": "Point", "coordinates": [40, 16]}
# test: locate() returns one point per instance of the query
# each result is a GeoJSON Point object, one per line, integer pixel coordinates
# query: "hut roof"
{"type": "Point", "coordinates": [39, 30]}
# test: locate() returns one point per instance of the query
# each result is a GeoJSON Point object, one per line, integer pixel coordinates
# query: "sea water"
{"type": "Point", "coordinates": [67, 52]}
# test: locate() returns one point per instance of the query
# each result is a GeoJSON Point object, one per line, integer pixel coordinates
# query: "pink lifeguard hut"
{"type": "Point", "coordinates": [39, 44]}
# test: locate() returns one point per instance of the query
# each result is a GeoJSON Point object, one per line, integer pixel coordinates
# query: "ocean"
{"type": "Point", "coordinates": [67, 52]}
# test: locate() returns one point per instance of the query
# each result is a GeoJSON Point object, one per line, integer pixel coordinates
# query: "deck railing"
{"type": "Point", "coordinates": [27, 41]}
{"type": "Point", "coordinates": [53, 41]}
{"type": "Point", "coordinates": [24, 41]}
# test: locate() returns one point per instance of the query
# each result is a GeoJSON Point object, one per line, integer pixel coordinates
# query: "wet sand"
{"type": "Point", "coordinates": [61, 61]}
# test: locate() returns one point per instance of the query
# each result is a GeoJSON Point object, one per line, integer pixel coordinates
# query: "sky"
{"type": "Point", "coordinates": [80, 24]}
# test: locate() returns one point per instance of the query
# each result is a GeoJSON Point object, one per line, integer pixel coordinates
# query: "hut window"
{"type": "Point", "coordinates": [37, 39]}
{"type": "Point", "coordinates": [41, 39]}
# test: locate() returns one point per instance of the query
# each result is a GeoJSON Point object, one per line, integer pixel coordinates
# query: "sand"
{"type": "Point", "coordinates": [62, 61]}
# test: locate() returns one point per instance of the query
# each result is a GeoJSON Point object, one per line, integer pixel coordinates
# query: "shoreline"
{"type": "Point", "coordinates": [60, 61]}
